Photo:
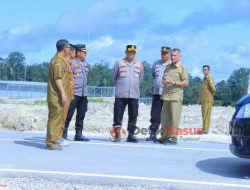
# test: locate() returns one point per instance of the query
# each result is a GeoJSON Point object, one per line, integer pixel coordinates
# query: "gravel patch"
{"type": "Point", "coordinates": [24, 115]}
{"type": "Point", "coordinates": [28, 183]}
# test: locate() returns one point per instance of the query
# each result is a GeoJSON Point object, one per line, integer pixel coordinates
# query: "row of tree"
{"type": "Point", "coordinates": [100, 74]}
{"type": "Point", "coordinates": [227, 92]}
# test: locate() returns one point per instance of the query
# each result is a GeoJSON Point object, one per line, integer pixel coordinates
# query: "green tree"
{"type": "Point", "coordinates": [15, 63]}
{"type": "Point", "coordinates": [238, 83]}
{"type": "Point", "coordinates": [146, 86]}
{"type": "Point", "coordinates": [100, 74]}
{"type": "Point", "coordinates": [3, 70]}
{"type": "Point", "coordinates": [191, 93]}
{"type": "Point", "coordinates": [223, 94]}
{"type": "Point", "coordinates": [38, 72]}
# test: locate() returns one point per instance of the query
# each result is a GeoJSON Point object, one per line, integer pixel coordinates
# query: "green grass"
{"type": "Point", "coordinates": [40, 102]}
{"type": "Point", "coordinates": [97, 100]}
{"type": "Point", "coordinates": [44, 102]}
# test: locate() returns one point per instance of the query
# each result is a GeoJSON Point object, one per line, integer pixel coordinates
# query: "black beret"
{"type": "Point", "coordinates": [131, 48]}
{"type": "Point", "coordinates": [81, 47]}
{"type": "Point", "coordinates": [165, 49]}
{"type": "Point", "coordinates": [72, 47]}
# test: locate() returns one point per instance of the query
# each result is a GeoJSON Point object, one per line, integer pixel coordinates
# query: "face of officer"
{"type": "Point", "coordinates": [66, 51]}
{"type": "Point", "coordinates": [72, 53]}
{"type": "Point", "coordinates": [175, 57]}
{"type": "Point", "coordinates": [165, 56]}
{"type": "Point", "coordinates": [206, 70]}
{"type": "Point", "coordinates": [81, 55]}
{"type": "Point", "coordinates": [130, 55]}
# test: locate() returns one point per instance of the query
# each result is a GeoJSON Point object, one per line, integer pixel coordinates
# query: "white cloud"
{"type": "Point", "coordinates": [196, 72]}
{"type": "Point", "coordinates": [23, 29]}
{"type": "Point", "coordinates": [101, 43]}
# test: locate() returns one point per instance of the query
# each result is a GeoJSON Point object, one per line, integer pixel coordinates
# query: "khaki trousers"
{"type": "Point", "coordinates": [170, 119]}
{"type": "Point", "coordinates": [65, 113]}
{"type": "Point", "coordinates": [206, 109]}
{"type": "Point", "coordinates": [55, 123]}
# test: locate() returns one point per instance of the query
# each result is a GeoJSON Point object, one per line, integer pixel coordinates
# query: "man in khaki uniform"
{"type": "Point", "coordinates": [175, 78]}
{"type": "Point", "coordinates": [157, 103]}
{"type": "Point", "coordinates": [71, 56]}
{"type": "Point", "coordinates": [206, 98]}
{"type": "Point", "coordinates": [58, 94]}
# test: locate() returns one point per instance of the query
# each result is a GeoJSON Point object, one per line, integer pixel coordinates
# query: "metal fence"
{"type": "Point", "coordinates": [38, 90]}
{"type": "Point", "coordinates": [23, 90]}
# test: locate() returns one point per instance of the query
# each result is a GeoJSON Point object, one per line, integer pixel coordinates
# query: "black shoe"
{"type": "Point", "coordinates": [54, 147]}
{"type": "Point", "coordinates": [152, 137]}
{"type": "Point", "coordinates": [81, 138]}
{"type": "Point", "coordinates": [132, 139]}
{"type": "Point", "coordinates": [156, 141]}
{"type": "Point", "coordinates": [65, 135]}
{"type": "Point", "coordinates": [159, 141]}
{"type": "Point", "coordinates": [200, 132]}
{"type": "Point", "coordinates": [169, 142]}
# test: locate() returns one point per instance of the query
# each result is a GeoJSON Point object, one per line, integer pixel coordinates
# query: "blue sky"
{"type": "Point", "coordinates": [213, 32]}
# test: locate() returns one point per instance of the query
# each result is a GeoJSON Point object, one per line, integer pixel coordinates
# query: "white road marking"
{"type": "Point", "coordinates": [127, 145]}
{"type": "Point", "coordinates": [161, 147]}
{"type": "Point", "coordinates": [127, 177]}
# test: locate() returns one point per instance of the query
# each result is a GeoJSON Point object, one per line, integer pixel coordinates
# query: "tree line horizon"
{"type": "Point", "coordinates": [228, 92]}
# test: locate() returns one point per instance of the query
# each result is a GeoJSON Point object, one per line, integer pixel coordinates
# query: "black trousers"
{"type": "Point", "coordinates": [156, 108]}
{"type": "Point", "coordinates": [119, 108]}
{"type": "Point", "coordinates": [80, 104]}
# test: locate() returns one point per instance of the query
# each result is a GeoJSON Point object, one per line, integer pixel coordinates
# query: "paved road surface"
{"type": "Point", "coordinates": [188, 165]}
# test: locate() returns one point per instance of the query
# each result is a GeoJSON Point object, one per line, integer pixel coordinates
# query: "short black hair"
{"type": "Point", "coordinates": [206, 66]}
{"type": "Point", "coordinates": [176, 49]}
{"type": "Point", "coordinates": [61, 44]}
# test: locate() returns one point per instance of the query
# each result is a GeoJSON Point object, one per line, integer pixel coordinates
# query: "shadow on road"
{"type": "Point", "coordinates": [37, 142]}
{"type": "Point", "coordinates": [104, 139]}
{"type": "Point", "coordinates": [227, 167]}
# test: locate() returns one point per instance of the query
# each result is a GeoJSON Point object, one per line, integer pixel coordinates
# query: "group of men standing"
{"type": "Point", "coordinates": [67, 92]}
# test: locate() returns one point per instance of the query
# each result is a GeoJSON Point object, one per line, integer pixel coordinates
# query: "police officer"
{"type": "Point", "coordinates": [206, 98]}
{"type": "Point", "coordinates": [80, 71]}
{"type": "Point", "coordinates": [175, 78]}
{"type": "Point", "coordinates": [127, 74]}
{"type": "Point", "coordinates": [58, 94]}
{"type": "Point", "coordinates": [157, 74]}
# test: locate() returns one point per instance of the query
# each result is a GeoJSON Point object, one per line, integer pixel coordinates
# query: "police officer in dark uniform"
{"type": "Point", "coordinates": [80, 101]}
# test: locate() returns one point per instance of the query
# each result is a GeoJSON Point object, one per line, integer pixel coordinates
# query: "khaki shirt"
{"type": "Point", "coordinates": [58, 69]}
{"type": "Point", "coordinates": [177, 73]}
{"type": "Point", "coordinates": [71, 79]}
{"type": "Point", "coordinates": [207, 90]}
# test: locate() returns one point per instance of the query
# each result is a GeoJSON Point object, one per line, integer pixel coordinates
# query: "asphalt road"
{"type": "Point", "coordinates": [188, 165]}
